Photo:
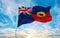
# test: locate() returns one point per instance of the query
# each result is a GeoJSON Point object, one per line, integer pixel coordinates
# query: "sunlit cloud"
{"type": "Point", "coordinates": [38, 28]}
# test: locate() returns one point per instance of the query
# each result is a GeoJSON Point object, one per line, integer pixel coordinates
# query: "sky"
{"type": "Point", "coordinates": [9, 16]}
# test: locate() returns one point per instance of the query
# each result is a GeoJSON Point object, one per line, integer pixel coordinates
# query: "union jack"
{"type": "Point", "coordinates": [25, 10]}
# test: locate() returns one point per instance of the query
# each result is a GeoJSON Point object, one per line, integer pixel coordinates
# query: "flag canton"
{"type": "Point", "coordinates": [25, 10]}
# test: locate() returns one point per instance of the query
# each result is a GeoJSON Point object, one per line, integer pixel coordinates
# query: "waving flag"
{"type": "Point", "coordinates": [36, 13]}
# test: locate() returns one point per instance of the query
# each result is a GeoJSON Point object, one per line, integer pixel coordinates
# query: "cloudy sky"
{"type": "Point", "coordinates": [9, 16]}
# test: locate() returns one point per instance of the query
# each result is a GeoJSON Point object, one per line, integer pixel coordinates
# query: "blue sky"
{"type": "Point", "coordinates": [9, 16]}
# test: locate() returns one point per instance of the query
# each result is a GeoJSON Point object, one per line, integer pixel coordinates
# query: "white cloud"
{"type": "Point", "coordinates": [1, 24]}
{"type": "Point", "coordinates": [30, 32]}
{"type": "Point", "coordinates": [39, 29]}
{"type": "Point", "coordinates": [7, 31]}
{"type": "Point", "coordinates": [10, 9]}
{"type": "Point", "coordinates": [57, 9]}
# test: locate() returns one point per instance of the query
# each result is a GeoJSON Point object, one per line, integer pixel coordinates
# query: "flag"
{"type": "Point", "coordinates": [36, 13]}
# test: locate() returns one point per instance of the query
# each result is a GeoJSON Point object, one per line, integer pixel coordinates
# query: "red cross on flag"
{"type": "Point", "coordinates": [25, 10]}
